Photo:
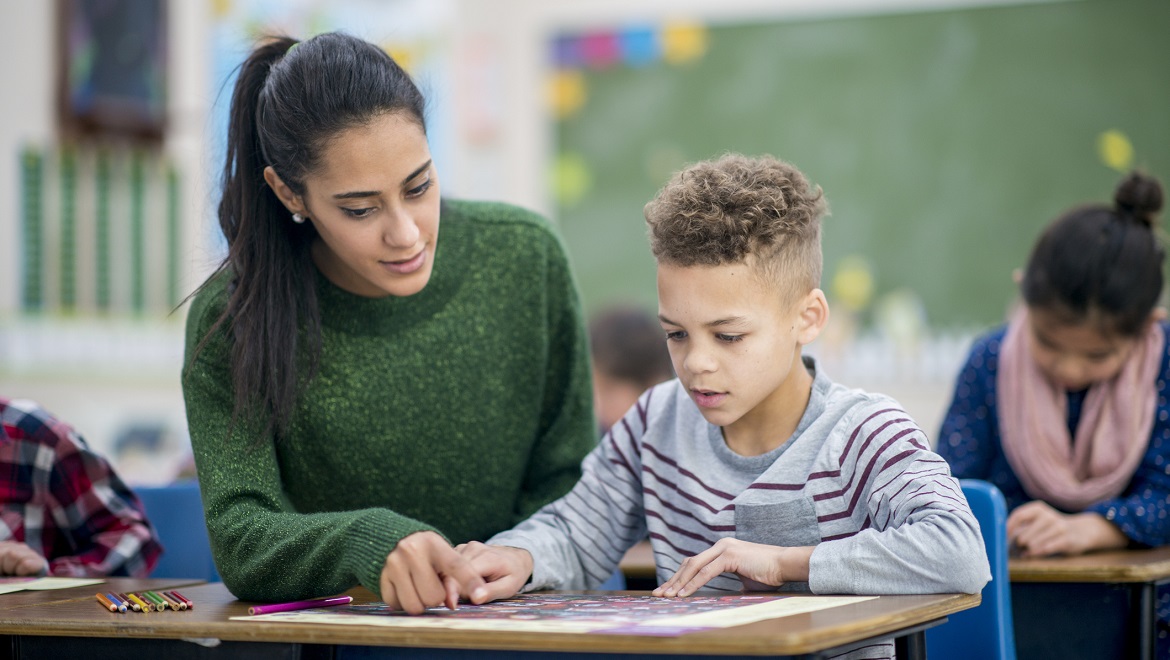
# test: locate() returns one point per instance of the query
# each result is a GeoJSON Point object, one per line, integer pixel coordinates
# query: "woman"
{"type": "Point", "coordinates": [360, 393]}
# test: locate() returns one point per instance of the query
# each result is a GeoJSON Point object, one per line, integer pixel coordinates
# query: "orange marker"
{"type": "Point", "coordinates": [107, 603]}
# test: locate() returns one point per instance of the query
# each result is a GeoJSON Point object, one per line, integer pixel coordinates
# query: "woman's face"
{"type": "Point", "coordinates": [1075, 356]}
{"type": "Point", "coordinates": [374, 201]}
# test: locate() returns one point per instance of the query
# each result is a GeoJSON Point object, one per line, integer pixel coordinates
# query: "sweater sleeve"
{"type": "Point", "coordinates": [567, 430]}
{"type": "Point", "coordinates": [918, 536]}
{"type": "Point", "coordinates": [264, 549]}
{"type": "Point", "coordinates": [578, 541]}
{"type": "Point", "coordinates": [966, 439]}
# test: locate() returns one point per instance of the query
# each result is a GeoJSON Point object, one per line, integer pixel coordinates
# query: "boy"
{"type": "Point", "coordinates": [751, 468]}
{"type": "Point", "coordinates": [63, 510]}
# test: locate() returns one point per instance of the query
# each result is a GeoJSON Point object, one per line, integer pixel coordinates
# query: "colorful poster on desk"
{"type": "Point", "coordinates": [577, 613]}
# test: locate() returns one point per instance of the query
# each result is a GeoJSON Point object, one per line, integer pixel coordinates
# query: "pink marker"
{"type": "Point", "coordinates": [300, 605]}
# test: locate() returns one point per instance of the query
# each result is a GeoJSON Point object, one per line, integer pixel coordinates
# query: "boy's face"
{"type": "Point", "coordinates": [735, 343]}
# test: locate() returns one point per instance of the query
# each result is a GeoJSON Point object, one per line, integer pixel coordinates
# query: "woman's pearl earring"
{"type": "Point", "coordinates": [298, 218]}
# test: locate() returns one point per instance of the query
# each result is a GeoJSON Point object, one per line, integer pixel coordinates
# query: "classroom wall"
{"type": "Point", "coordinates": [107, 374]}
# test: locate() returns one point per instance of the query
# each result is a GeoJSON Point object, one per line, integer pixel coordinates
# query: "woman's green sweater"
{"type": "Point", "coordinates": [460, 409]}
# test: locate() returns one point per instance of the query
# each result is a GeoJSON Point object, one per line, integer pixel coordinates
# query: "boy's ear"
{"type": "Point", "coordinates": [290, 199]}
{"type": "Point", "coordinates": [812, 317]}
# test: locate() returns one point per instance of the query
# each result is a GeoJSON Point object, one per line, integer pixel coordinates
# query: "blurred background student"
{"type": "Point", "coordinates": [1065, 409]}
{"type": "Point", "coordinates": [629, 355]}
{"type": "Point", "coordinates": [63, 510]}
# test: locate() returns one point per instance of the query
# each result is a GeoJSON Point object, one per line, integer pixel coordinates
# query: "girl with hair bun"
{"type": "Point", "coordinates": [1066, 408]}
{"type": "Point", "coordinates": [364, 390]}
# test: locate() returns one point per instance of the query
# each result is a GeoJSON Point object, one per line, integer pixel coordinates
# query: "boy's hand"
{"type": "Point", "coordinates": [18, 559]}
{"type": "Point", "coordinates": [753, 562]}
{"type": "Point", "coordinates": [505, 569]}
{"type": "Point", "coordinates": [1039, 530]}
{"type": "Point", "coordinates": [424, 571]}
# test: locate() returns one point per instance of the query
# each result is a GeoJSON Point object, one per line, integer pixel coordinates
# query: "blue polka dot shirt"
{"type": "Point", "coordinates": [970, 442]}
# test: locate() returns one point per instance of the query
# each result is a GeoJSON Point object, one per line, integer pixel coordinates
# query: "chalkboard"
{"type": "Point", "coordinates": [943, 141]}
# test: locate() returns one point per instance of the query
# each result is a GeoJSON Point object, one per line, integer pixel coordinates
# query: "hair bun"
{"type": "Point", "coordinates": [1139, 195]}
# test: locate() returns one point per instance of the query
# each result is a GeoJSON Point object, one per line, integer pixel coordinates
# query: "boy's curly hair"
{"type": "Point", "coordinates": [727, 210]}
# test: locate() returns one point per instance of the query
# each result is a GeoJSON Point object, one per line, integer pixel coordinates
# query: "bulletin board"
{"type": "Point", "coordinates": [944, 141]}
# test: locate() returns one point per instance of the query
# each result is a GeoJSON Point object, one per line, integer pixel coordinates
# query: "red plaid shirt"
{"type": "Point", "coordinates": [65, 502]}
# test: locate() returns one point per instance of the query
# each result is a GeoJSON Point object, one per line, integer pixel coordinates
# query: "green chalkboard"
{"type": "Point", "coordinates": [943, 141]}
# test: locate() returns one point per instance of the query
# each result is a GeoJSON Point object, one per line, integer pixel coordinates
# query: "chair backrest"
{"type": "Point", "coordinates": [985, 631]}
{"type": "Point", "coordinates": [176, 511]}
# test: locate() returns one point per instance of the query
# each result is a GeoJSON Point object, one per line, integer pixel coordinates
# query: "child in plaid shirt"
{"type": "Point", "coordinates": [63, 510]}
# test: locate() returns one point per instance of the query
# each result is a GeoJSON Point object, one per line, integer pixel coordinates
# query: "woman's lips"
{"type": "Point", "coordinates": [406, 266]}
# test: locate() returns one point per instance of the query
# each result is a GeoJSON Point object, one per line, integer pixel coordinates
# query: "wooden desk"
{"type": "Point", "coordinates": [1103, 604]}
{"type": "Point", "coordinates": [53, 630]}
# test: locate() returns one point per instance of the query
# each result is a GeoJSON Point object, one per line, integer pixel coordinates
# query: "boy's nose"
{"type": "Point", "coordinates": [699, 362]}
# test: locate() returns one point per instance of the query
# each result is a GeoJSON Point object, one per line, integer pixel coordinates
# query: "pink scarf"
{"type": "Point", "coordinates": [1112, 434]}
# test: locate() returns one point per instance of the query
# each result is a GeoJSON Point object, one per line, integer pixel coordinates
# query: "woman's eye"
{"type": "Point", "coordinates": [418, 190]}
{"type": "Point", "coordinates": [676, 335]}
{"type": "Point", "coordinates": [730, 339]}
{"type": "Point", "coordinates": [358, 213]}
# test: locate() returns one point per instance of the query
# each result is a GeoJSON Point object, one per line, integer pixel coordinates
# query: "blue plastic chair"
{"type": "Point", "coordinates": [176, 511]}
{"type": "Point", "coordinates": [985, 631]}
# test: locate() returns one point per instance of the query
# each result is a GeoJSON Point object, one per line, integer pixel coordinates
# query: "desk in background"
{"type": "Point", "coordinates": [80, 628]}
{"type": "Point", "coordinates": [1099, 605]}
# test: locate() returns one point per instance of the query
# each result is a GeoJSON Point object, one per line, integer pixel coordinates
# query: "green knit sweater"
{"type": "Point", "coordinates": [460, 409]}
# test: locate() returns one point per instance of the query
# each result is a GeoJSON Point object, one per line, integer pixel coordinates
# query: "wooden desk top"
{"type": "Point", "coordinates": [1110, 566]}
{"type": "Point", "coordinates": [121, 585]}
{"type": "Point", "coordinates": [796, 634]}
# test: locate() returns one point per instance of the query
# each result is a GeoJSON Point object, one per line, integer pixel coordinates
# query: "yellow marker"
{"type": "Point", "coordinates": [683, 42]}
{"type": "Point", "coordinates": [146, 607]}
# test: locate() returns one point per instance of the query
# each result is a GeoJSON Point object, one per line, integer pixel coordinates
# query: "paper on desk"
{"type": "Point", "coordinates": [13, 584]}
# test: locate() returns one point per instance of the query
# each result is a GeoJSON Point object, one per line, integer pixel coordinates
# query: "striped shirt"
{"type": "Point", "coordinates": [65, 502]}
{"type": "Point", "coordinates": [856, 479]}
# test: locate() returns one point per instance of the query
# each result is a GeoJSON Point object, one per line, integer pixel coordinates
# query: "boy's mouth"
{"type": "Point", "coordinates": [708, 398]}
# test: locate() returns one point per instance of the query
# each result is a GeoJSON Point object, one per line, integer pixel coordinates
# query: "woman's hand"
{"type": "Point", "coordinates": [424, 571]}
{"type": "Point", "coordinates": [505, 569]}
{"type": "Point", "coordinates": [17, 558]}
{"type": "Point", "coordinates": [754, 563]}
{"type": "Point", "coordinates": [1039, 530]}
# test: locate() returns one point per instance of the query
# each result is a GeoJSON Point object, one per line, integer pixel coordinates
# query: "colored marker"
{"type": "Point", "coordinates": [146, 607]}
{"type": "Point", "coordinates": [106, 603]}
{"type": "Point", "coordinates": [300, 605]}
{"type": "Point", "coordinates": [190, 603]}
{"type": "Point", "coordinates": [125, 598]}
{"type": "Point", "coordinates": [117, 602]}
{"type": "Point", "coordinates": [174, 604]}
{"type": "Point", "coordinates": [159, 603]}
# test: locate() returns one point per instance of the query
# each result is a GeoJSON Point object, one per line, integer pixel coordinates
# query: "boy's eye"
{"type": "Point", "coordinates": [676, 335]}
{"type": "Point", "coordinates": [358, 213]}
{"type": "Point", "coordinates": [418, 190]}
{"type": "Point", "coordinates": [728, 338]}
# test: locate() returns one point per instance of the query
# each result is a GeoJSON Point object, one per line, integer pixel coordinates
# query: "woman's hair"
{"type": "Point", "coordinates": [290, 100]}
{"type": "Point", "coordinates": [1101, 264]}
